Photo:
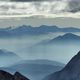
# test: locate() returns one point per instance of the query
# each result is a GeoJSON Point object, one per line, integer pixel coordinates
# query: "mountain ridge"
{"type": "Point", "coordinates": [7, 76]}
{"type": "Point", "coordinates": [35, 70]}
{"type": "Point", "coordinates": [70, 72]}
{"type": "Point", "coordinates": [68, 38]}
{"type": "Point", "coordinates": [29, 30]}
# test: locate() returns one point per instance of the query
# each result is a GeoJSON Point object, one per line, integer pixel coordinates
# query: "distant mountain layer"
{"type": "Point", "coordinates": [7, 76]}
{"type": "Point", "coordinates": [35, 69]}
{"type": "Point", "coordinates": [8, 58]}
{"type": "Point", "coordinates": [64, 39]}
{"type": "Point", "coordinates": [70, 72]}
{"type": "Point", "coordinates": [42, 61]}
{"type": "Point", "coordinates": [28, 30]}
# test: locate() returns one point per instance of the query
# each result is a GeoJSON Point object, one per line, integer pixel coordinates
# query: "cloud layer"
{"type": "Point", "coordinates": [62, 8]}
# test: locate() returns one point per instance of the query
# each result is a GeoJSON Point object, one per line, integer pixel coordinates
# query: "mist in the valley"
{"type": "Point", "coordinates": [31, 57]}
{"type": "Point", "coordinates": [27, 49]}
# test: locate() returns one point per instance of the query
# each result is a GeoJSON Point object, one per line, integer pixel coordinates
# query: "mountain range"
{"type": "Point", "coordinates": [70, 72]}
{"type": "Point", "coordinates": [35, 69]}
{"type": "Point", "coordinates": [29, 30]}
{"type": "Point", "coordinates": [67, 38]}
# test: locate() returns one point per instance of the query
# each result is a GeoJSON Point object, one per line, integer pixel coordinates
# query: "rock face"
{"type": "Point", "coordinates": [19, 76]}
{"type": "Point", "coordinates": [7, 76]}
{"type": "Point", "coordinates": [70, 72]}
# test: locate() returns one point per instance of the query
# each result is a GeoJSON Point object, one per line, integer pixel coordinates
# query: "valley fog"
{"type": "Point", "coordinates": [26, 48]}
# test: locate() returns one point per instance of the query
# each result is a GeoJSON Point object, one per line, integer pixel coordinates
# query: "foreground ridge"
{"type": "Point", "coordinates": [7, 76]}
{"type": "Point", "coordinates": [70, 72]}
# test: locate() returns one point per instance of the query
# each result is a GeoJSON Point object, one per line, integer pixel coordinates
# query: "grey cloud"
{"type": "Point", "coordinates": [73, 6]}
{"type": "Point", "coordinates": [60, 6]}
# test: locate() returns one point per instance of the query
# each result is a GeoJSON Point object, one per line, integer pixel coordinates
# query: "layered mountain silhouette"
{"type": "Point", "coordinates": [8, 58]}
{"type": "Point", "coordinates": [29, 30]}
{"type": "Point", "coordinates": [35, 69]}
{"type": "Point", "coordinates": [64, 39]}
{"type": "Point", "coordinates": [69, 37]}
{"type": "Point", "coordinates": [70, 72]}
{"type": "Point", "coordinates": [42, 61]}
{"type": "Point", "coordinates": [7, 76]}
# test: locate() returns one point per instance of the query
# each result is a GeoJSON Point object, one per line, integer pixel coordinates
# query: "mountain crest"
{"type": "Point", "coordinates": [69, 34]}
{"type": "Point", "coordinates": [70, 72]}
{"type": "Point", "coordinates": [78, 53]}
{"type": "Point", "coordinates": [7, 76]}
{"type": "Point", "coordinates": [19, 76]}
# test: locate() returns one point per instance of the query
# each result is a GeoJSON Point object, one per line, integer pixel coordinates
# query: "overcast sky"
{"type": "Point", "coordinates": [56, 8]}
{"type": "Point", "coordinates": [39, 12]}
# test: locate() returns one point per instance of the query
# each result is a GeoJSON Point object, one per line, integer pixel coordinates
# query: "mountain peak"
{"type": "Point", "coordinates": [78, 53]}
{"type": "Point", "coordinates": [7, 76]}
{"type": "Point", "coordinates": [69, 35]}
{"type": "Point", "coordinates": [17, 73]}
{"type": "Point", "coordinates": [4, 72]}
{"type": "Point", "coordinates": [66, 38]}
{"type": "Point", "coordinates": [70, 72]}
{"type": "Point", "coordinates": [19, 76]}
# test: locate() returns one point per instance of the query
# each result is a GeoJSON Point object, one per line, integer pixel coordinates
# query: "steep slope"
{"type": "Point", "coordinates": [35, 69]}
{"type": "Point", "coordinates": [7, 76]}
{"type": "Point", "coordinates": [18, 76]}
{"type": "Point", "coordinates": [64, 39]}
{"type": "Point", "coordinates": [70, 72]}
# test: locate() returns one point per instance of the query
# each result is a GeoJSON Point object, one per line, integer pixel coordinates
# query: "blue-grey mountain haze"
{"type": "Point", "coordinates": [35, 69]}
{"type": "Point", "coordinates": [22, 46]}
{"type": "Point", "coordinates": [21, 41]}
{"type": "Point", "coordinates": [37, 40]}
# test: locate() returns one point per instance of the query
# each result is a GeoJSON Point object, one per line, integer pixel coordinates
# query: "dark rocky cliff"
{"type": "Point", "coordinates": [70, 72]}
{"type": "Point", "coordinates": [7, 76]}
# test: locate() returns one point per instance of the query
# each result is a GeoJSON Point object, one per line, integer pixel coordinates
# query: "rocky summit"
{"type": "Point", "coordinates": [7, 76]}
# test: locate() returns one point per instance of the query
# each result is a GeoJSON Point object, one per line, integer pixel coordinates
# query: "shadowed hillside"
{"type": "Point", "coordinates": [70, 72]}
